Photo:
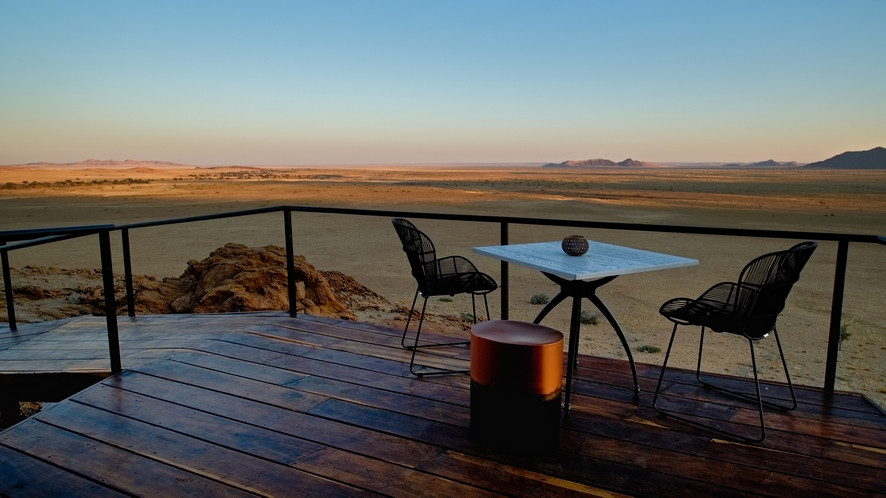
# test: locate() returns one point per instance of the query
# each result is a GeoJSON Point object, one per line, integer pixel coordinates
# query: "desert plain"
{"type": "Point", "coordinates": [367, 249]}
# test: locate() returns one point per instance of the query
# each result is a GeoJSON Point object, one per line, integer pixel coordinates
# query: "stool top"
{"type": "Point", "coordinates": [516, 332]}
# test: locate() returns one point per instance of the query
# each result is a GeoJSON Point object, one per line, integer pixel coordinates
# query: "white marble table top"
{"type": "Point", "coordinates": [601, 260]}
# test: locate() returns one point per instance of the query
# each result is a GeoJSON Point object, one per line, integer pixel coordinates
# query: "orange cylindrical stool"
{"type": "Point", "coordinates": [516, 376]}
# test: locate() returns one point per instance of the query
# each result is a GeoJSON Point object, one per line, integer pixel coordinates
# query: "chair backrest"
{"type": "Point", "coordinates": [772, 276]}
{"type": "Point", "coordinates": [419, 250]}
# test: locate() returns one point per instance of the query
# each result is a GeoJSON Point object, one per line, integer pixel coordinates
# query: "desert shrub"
{"type": "Point", "coordinates": [646, 348]}
{"type": "Point", "coordinates": [446, 299]}
{"type": "Point", "coordinates": [587, 318]}
{"type": "Point", "coordinates": [844, 334]}
{"type": "Point", "coordinates": [468, 317]}
{"type": "Point", "coordinates": [538, 299]}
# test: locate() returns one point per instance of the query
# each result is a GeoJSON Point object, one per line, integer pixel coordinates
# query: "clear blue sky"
{"type": "Point", "coordinates": [328, 82]}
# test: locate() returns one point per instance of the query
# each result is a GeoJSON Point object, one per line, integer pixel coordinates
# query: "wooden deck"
{"type": "Point", "coordinates": [264, 404]}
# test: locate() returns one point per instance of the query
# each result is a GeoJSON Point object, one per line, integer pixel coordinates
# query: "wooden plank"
{"type": "Point", "coordinates": [228, 384]}
{"type": "Point", "coordinates": [372, 336]}
{"type": "Point", "coordinates": [709, 404]}
{"type": "Point", "coordinates": [342, 369]}
{"type": "Point", "coordinates": [746, 477]}
{"type": "Point", "coordinates": [347, 437]}
{"type": "Point", "coordinates": [569, 466]}
{"type": "Point", "coordinates": [287, 383]}
{"type": "Point", "coordinates": [125, 471]}
{"type": "Point", "coordinates": [217, 463]}
{"type": "Point", "coordinates": [863, 465]}
{"type": "Point", "coordinates": [762, 481]}
{"type": "Point", "coordinates": [745, 415]}
{"type": "Point", "coordinates": [788, 442]}
{"type": "Point", "coordinates": [332, 463]}
{"type": "Point", "coordinates": [26, 476]}
{"type": "Point", "coordinates": [778, 394]}
{"type": "Point", "coordinates": [511, 480]}
{"type": "Point", "coordinates": [806, 394]}
{"type": "Point", "coordinates": [280, 419]}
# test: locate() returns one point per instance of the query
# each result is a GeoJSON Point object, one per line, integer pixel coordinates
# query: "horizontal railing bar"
{"type": "Point", "coordinates": [204, 217]}
{"type": "Point", "coordinates": [54, 238]}
{"type": "Point", "coordinates": [34, 233]}
{"type": "Point", "coordinates": [606, 225]}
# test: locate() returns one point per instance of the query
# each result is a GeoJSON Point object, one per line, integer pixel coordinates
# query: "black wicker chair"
{"type": "Point", "coordinates": [748, 308]}
{"type": "Point", "coordinates": [438, 277]}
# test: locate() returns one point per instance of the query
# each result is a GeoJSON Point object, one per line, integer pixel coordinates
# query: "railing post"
{"type": "Point", "coordinates": [830, 374]}
{"type": "Point", "coordinates": [127, 272]}
{"type": "Point", "coordinates": [290, 263]}
{"type": "Point", "coordinates": [7, 286]}
{"type": "Point", "coordinates": [504, 274]}
{"type": "Point", "coordinates": [104, 238]}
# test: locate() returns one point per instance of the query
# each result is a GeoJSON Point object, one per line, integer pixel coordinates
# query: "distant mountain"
{"type": "Point", "coordinates": [866, 159]}
{"type": "Point", "coordinates": [771, 163]}
{"type": "Point", "coordinates": [603, 163]}
{"type": "Point", "coordinates": [91, 163]}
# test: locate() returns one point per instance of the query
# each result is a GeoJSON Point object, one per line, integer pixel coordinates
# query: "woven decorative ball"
{"type": "Point", "coordinates": [575, 245]}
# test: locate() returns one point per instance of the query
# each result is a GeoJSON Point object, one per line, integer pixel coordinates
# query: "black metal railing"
{"type": "Point", "coordinates": [51, 235]}
{"type": "Point", "coordinates": [31, 238]}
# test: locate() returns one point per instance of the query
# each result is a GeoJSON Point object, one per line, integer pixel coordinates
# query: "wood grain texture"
{"type": "Point", "coordinates": [268, 405]}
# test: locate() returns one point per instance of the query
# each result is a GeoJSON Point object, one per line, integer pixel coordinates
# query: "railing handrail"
{"type": "Point", "coordinates": [49, 235]}
{"type": "Point", "coordinates": [43, 235]}
{"type": "Point", "coordinates": [517, 220]}
{"type": "Point", "coordinates": [46, 235]}
{"type": "Point", "coordinates": [54, 238]}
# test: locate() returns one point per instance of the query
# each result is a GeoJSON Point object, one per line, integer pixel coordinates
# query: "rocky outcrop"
{"type": "Point", "coordinates": [240, 278]}
{"type": "Point", "coordinates": [233, 278]}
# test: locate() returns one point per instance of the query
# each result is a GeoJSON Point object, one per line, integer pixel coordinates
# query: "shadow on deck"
{"type": "Point", "coordinates": [265, 404]}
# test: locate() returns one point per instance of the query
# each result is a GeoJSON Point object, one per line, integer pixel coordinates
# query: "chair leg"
{"type": "Point", "coordinates": [746, 396]}
{"type": "Point", "coordinates": [661, 375]}
{"type": "Point", "coordinates": [415, 347]}
{"type": "Point", "coordinates": [700, 349]}
{"type": "Point", "coordinates": [486, 302]}
{"type": "Point", "coordinates": [722, 432]}
{"type": "Point", "coordinates": [408, 319]}
{"type": "Point", "coordinates": [759, 396]}
{"type": "Point", "coordinates": [786, 374]}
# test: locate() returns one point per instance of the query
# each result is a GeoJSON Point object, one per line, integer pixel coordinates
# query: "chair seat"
{"type": "Point", "coordinates": [685, 311]}
{"type": "Point", "coordinates": [475, 283]}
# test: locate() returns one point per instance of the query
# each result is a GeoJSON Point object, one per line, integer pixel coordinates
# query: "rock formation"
{"type": "Point", "coordinates": [233, 278]}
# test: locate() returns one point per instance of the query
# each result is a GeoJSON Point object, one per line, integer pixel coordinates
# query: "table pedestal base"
{"type": "Point", "coordinates": [578, 289]}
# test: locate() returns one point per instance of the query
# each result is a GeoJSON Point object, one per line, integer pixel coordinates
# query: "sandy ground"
{"type": "Point", "coordinates": [367, 248]}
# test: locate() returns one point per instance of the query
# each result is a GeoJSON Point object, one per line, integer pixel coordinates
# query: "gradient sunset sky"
{"type": "Point", "coordinates": [377, 82]}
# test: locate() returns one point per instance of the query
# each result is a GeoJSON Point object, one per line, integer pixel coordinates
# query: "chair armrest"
{"type": "Point", "coordinates": [455, 265]}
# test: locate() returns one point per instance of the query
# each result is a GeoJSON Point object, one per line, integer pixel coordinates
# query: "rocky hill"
{"type": "Point", "coordinates": [603, 163]}
{"type": "Point", "coordinates": [771, 163]}
{"type": "Point", "coordinates": [233, 278]}
{"type": "Point", "coordinates": [866, 159]}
